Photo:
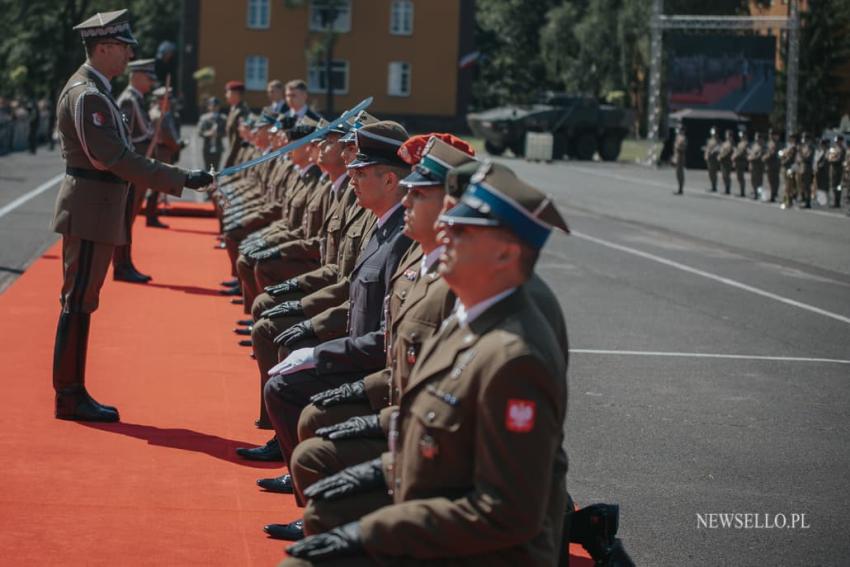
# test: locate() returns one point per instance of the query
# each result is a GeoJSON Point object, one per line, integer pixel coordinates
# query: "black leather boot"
{"type": "Point", "coordinates": [123, 269]}
{"type": "Point", "coordinates": [69, 367]}
{"type": "Point", "coordinates": [151, 212]}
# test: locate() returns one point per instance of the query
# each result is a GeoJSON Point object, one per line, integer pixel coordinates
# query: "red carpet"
{"type": "Point", "coordinates": [162, 487]}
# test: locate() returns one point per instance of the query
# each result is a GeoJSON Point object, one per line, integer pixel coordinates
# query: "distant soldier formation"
{"type": "Point", "coordinates": [810, 173]}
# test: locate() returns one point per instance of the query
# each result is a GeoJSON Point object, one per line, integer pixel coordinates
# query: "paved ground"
{"type": "Point", "coordinates": [711, 356]}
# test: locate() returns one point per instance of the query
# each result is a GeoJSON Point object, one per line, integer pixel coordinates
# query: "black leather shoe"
{"type": "Point", "coordinates": [268, 452]}
{"type": "Point", "coordinates": [293, 531]}
{"type": "Point", "coordinates": [155, 223]}
{"type": "Point", "coordinates": [79, 406]}
{"type": "Point", "coordinates": [128, 274]}
{"type": "Point", "coordinates": [260, 424]}
{"type": "Point", "coordinates": [246, 342]}
{"type": "Point", "coordinates": [245, 331]}
{"type": "Point", "coordinates": [281, 484]}
{"type": "Point", "coordinates": [231, 291]}
{"type": "Point", "coordinates": [245, 322]}
{"type": "Point", "coordinates": [230, 283]}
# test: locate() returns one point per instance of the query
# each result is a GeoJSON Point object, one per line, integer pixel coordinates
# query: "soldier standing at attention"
{"type": "Point", "coordinates": [725, 158]}
{"type": "Point", "coordinates": [739, 158]}
{"type": "Point", "coordinates": [93, 207]}
{"type": "Point", "coordinates": [132, 104]}
{"type": "Point", "coordinates": [771, 164]}
{"type": "Point", "coordinates": [755, 157]}
{"type": "Point", "coordinates": [788, 157]}
{"type": "Point", "coordinates": [712, 150]}
{"type": "Point", "coordinates": [805, 169]}
{"type": "Point", "coordinates": [835, 157]}
{"type": "Point", "coordinates": [167, 148]}
{"type": "Point", "coordinates": [211, 130]}
{"type": "Point", "coordinates": [233, 92]}
{"type": "Point", "coordinates": [680, 145]}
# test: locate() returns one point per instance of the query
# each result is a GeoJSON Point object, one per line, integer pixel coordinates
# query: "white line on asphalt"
{"type": "Point", "coordinates": [649, 183]}
{"type": "Point", "coordinates": [31, 195]}
{"type": "Point", "coordinates": [707, 355]}
{"type": "Point", "coordinates": [715, 277]}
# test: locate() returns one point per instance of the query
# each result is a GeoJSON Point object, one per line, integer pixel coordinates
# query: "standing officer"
{"type": "Point", "coordinates": [822, 170]}
{"type": "Point", "coordinates": [680, 146]}
{"type": "Point", "coordinates": [788, 158]}
{"type": "Point", "coordinates": [233, 93]}
{"type": "Point", "coordinates": [134, 108]}
{"type": "Point", "coordinates": [465, 413]}
{"type": "Point", "coordinates": [211, 129]}
{"type": "Point", "coordinates": [167, 145]}
{"type": "Point", "coordinates": [739, 158]}
{"type": "Point", "coordinates": [805, 169]}
{"type": "Point", "coordinates": [93, 208]}
{"type": "Point", "coordinates": [755, 156]}
{"type": "Point", "coordinates": [771, 164]}
{"type": "Point", "coordinates": [835, 157]}
{"type": "Point", "coordinates": [725, 158]}
{"type": "Point", "coordinates": [712, 149]}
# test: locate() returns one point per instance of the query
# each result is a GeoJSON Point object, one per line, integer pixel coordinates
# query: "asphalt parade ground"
{"type": "Point", "coordinates": [710, 356]}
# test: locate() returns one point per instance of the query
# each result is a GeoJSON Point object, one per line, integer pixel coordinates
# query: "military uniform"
{"type": "Point", "coordinates": [739, 158]}
{"type": "Point", "coordinates": [712, 150]}
{"type": "Point", "coordinates": [211, 129]}
{"type": "Point", "coordinates": [724, 156]}
{"type": "Point", "coordinates": [788, 158]}
{"type": "Point", "coordinates": [93, 211]}
{"type": "Point", "coordinates": [821, 170]}
{"type": "Point", "coordinates": [237, 113]}
{"type": "Point", "coordinates": [835, 157]}
{"type": "Point", "coordinates": [463, 416]}
{"type": "Point", "coordinates": [805, 170]}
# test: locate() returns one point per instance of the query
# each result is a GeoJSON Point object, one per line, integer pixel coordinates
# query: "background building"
{"type": "Point", "coordinates": [404, 53]}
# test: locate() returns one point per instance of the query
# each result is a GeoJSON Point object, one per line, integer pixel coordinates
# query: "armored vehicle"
{"type": "Point", "coordinates": [580, 126]}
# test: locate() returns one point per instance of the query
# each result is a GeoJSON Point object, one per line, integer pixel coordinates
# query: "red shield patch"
{"type": "Point", "coordinates": [98, 119]}
{"type": "Point", "coordinates": [519, 415]}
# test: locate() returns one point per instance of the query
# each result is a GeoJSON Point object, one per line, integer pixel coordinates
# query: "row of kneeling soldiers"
{"type": "Point", "coordinates": [809, 174]}
{"type": "Point", "coordinates": [411, 363]}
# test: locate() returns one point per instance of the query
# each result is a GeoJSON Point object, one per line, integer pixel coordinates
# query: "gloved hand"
{"type": "Point", "coordinates": [358, 479]}
{"type": "Point", "coordinates": [265, 254]}
{"type": "Point", "coordinates": [283, 288]}
{"type": "Point", "coordinates": [345, 394]}
{"type": "Point", "coordinates": [199, 179]}
{"type": "Point", "coordinates": [343, 541]}
{"type": "Point", "coordinates": [352, 428]}
{"type": "Point", "coordinates": [301, 359]}
{"type": "Point", "coordinates": [284, 309]}
{"type": "Point", "coordinates": [296, 333]}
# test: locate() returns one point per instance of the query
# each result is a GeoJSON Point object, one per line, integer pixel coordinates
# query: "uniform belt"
{"type": "Point", "coordinates": [94, 175]}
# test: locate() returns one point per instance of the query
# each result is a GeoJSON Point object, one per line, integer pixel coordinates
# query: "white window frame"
{"type": "Point", "coordinates": [343, 19]}
{"type": "Point", "coordinates": [317, 70]}
{"type": "Point", "coordinates": [401, 17]}
{"type": "Point", "coordinates": [394, 82]}
{"type": "Point", "coordinates": [256, 72]}
{"type": "Point", "coordinates": [258, 16]}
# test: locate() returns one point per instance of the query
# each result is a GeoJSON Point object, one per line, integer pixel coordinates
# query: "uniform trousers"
{"type": "Point", "coordinates": [85, 264]}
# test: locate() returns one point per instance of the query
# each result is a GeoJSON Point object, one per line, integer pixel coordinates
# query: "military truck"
{"type": "Point", "coordinates": [580, 126]}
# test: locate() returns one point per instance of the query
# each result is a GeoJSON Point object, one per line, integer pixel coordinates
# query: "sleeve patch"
{"type": "Point", "coordinates": [98, 119]}
{"type": "Point", "coordinates": [520, 415]}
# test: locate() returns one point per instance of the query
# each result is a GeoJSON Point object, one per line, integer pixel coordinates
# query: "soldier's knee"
{"type": "Point", "coordinates": [309, 421]}
{"type": "Point", "coordinates": [261, 303]}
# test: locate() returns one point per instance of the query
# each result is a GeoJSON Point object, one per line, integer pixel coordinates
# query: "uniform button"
{"type": "Point", "coordinates": [430, 416]}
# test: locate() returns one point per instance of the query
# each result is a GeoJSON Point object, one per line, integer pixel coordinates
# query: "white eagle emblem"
{"type": "Point", "coordinates": [519, 415]}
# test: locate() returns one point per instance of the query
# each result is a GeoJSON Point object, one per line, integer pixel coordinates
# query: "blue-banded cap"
{"type": "Point", "coordinates": [267, 118]}
{"type": "Point", "coordinates": [438, 158]}
{"type": "Point", "coordinates": [496, 197]}
{"type": "Point", "coordinates": [304, 127]}
{"type": "Point", "coordinates": [108, 25]}
{"type": "Point", "coordinates": [145, 66]}
{"type": "Point", "coordinates": [363, 118]}
{"type": "Point", "coordinates": [378, 144]}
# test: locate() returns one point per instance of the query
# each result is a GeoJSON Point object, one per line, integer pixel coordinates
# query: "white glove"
{"type": "Point", "coordinates": [301, 359]}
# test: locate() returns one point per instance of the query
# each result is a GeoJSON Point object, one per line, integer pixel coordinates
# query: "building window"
{"type": "Point", "coordinates": [317, 81]}
{"type": "Point", "coordinates": [398, 83]}
{"type": "Point", "coordinates": [258, 14]}
{"type": "Point", "coordinates": [341, 24]}
{"type": "Point", "coordinates": [256, 72]}
{"type": "Point", "coordinates": [401, 17]}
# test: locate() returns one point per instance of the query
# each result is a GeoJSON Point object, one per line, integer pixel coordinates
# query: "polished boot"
{"type": "Point", "coordinates": [151, 212]}
{"type": "Point", "coordinates": [123, 269]}
{"type": "Point", "coordinates": [293, 531]}
{"type": "Point", "coordinates": [268, 452]}
{"type": "Point", "coordinates": [73, 402]}
{"type": "Point", "coordinates": [281, 484]}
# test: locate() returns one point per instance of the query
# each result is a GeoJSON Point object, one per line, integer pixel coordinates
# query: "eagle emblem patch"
{"type": "Point", "coordinates": [519, 415]}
